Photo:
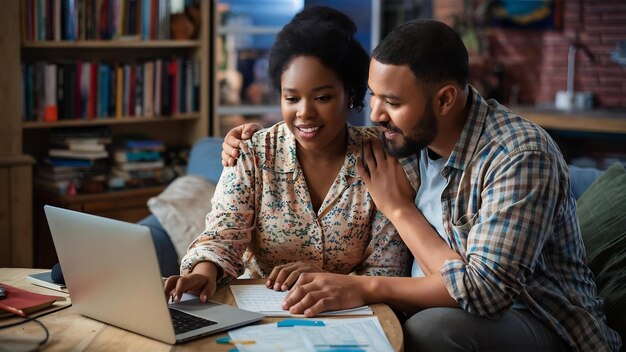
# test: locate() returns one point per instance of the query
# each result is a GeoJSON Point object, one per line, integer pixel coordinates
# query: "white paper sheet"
{"type": "Point", "coordinates": [258, 298]}
{"type": "Point", "coordinates": [351, 334]}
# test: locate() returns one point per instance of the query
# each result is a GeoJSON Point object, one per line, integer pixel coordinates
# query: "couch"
{"type": "Point", "coordinates": [601, 201]}
{"type": "Point", "coordinates": [204, 163]}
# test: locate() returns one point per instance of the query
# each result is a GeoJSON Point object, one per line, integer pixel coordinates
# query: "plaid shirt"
{"type": "Point", "coordinates": [509, 213]}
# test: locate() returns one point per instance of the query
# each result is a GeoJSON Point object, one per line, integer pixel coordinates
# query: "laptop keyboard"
{"type": "Point", "coordinates": [184, 322]}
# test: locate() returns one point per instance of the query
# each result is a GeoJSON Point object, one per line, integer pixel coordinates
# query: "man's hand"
{"type": "Point", "coordinates": [284, 276]}
{"type": "Point", "coordinates": [232, 141]}
{"type": "Point", "coordinates": [384, 178]}
{"type": "Point", "coordinates": [201, 281]}
{"type": "Point", "coordinates": [315, 293]}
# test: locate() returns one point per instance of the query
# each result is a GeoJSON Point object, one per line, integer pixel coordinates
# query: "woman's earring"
{"type": "Point", "coordinates": [351, 106]}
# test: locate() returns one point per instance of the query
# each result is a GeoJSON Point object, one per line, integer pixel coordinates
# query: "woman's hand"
{"type": "Point", "coordinates": [202, 281]}
{"type": "Point", "coordinates": [284, 276]}
{"type": "Point", "coordinates": [232, 141]}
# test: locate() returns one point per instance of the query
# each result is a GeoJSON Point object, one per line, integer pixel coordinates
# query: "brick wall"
{"type": "Point", "coordinates": [536, 60]}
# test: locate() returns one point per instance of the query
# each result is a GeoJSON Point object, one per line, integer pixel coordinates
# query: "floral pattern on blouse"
{"type": "Point", "coordinates": [262, 216]}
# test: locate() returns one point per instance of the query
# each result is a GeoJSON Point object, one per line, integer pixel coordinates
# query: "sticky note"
{"type": "Point", "coordinates": [299, 322]}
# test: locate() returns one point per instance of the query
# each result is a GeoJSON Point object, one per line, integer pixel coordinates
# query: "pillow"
{"type": "Point", "coordinates": [602, 216]}
{"type": "Point", "coordinates": [182, 208]}
{"type": "Point", "coordinates": [581, 178]}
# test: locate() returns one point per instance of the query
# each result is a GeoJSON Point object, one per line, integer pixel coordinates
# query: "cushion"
{"type": "Point", "coordinates": [182, 208]}
{"type": "Point", "coordinates": [581, 178]}
{"type": "Point", "coordinates": [601, 211]}
{"type": "Point", "coordinates": [205, 158]}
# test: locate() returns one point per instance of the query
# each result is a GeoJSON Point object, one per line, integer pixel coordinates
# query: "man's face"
{"type": "Point", "coordinates": [401, 109]}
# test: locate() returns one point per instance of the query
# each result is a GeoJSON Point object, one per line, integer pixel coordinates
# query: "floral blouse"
{"type": "Point", "coordinates": [262, 216]}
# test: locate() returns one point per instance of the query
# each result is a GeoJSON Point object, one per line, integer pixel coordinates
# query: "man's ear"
{"type": "Point", "coordinates": [445, 98]}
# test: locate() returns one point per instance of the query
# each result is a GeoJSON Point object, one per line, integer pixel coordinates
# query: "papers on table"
{"type": "Point", "coordinates": [350, 334]}
{"type": "Point", "coordinates": [44, 279]}
{"type": "Point", "coordinates": [258, 298]}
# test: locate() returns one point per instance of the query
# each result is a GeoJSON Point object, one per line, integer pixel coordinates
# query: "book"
{"type": "Point", "coordinates": [86, 147]}
{"type": "Point", "coordinates": [65, 162]}
{"type": "Point", "coordinates": [45, 280]}
{"type": "Point", "coordinates": [23, 302]}
{"type": "Point", "coordinates": [73, 154]}
{"type": "Point", "coordinates": [141, 165]}
{"type": "Point", "coordinates": [122, 156]}
{"type": "Point", "coordinates": [143, 144]}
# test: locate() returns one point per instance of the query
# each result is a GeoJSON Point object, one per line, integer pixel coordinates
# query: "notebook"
{"type": "Point", "coordinates": [112, 274]}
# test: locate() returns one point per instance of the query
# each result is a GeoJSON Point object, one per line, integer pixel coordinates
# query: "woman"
{"type": "Point", "coordinates": [294, 202]}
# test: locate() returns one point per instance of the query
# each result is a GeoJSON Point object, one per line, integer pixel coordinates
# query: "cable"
{"type": "Point", "coordinates": [34, 319]}
{"type": "Point", "coordinates": [45, 330]}
{"type": "Point", "coordinates": [27, 319]}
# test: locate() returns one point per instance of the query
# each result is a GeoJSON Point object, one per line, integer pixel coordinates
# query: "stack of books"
{"type": "Point", "coordinates": [139, 162]}
{"type": "Point", "coordinates": [77, 157]}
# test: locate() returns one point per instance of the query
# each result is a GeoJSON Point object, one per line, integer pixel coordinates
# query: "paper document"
{"type": "Point", "coordinates": [258, 298]}
{"type": "Point", "coordinates": [45, 280]}
{"type": "Point", "coordinates": [352, 334]}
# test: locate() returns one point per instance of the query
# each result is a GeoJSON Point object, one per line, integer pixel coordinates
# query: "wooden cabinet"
{"type": "Point", "coordinates": [23, 142]}
{"type": "Point", "coordinates": [15, 166]}
{"type": "Point", "coordinates": [127, 205]}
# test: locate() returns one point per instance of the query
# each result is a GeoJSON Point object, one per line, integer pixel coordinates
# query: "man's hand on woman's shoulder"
{"type": "Point", "coordinates": [230, 147]}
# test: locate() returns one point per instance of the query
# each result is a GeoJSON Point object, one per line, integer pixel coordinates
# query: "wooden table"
{"type": "Point", "coordinates": [71, 331]}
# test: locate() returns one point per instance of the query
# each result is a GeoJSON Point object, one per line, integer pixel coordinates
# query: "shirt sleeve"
{"type": "Point", "coordinates": [230, 223]}
{"type": "Point", "coordinates": [519, 200]}
{"type": "Point", "coordinates": [386, 253]}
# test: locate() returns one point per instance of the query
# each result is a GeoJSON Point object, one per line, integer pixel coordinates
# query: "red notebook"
{"type": "Point", "coordinates": [22, 302]}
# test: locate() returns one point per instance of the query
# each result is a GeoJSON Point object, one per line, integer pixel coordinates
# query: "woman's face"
{"type": "Point", "coordinates": [314, 104]}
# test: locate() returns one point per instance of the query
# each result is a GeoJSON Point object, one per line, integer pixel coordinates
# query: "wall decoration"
{"type": "Point", "coordinates": [531, 14]}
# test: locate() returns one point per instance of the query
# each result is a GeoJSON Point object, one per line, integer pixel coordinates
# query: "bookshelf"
{"type": "Point", "coordinates": [24, 141]}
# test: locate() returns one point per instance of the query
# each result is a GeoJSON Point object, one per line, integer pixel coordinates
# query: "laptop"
{"type": "Point", "coordinates": [112, 274]}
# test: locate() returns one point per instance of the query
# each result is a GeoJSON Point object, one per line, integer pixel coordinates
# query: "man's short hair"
{"type": "Point", "coordinates": [431, 49]}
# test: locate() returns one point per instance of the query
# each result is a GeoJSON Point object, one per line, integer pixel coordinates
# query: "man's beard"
{"type": "Point", "coordinates": [420, 137]}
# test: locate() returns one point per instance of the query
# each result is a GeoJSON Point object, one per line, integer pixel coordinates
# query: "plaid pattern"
{"type": "Point", "coordinates": [510, 214]}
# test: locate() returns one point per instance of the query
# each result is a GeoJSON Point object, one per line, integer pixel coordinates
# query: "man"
{"type": "Point", "coordinates": [486, 212]}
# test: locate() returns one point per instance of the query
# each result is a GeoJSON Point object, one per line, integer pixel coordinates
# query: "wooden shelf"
{"type": "Point", "coordinates": [107, 121]}
{"type": "Point", "coordinates": [111, 196]}
{"type": "Point", "coordinates": [258, 30]}
{"type": "Point", "coordinates": [125, 205]}
{"type": "Point", "coordinates": [595, 121]}
{"type": "Point", "coordinates": [111, 44]}
{"type": "Point", "coordinates": [23, 141]}
{"type": "Point", "coordinates": [248, 109]}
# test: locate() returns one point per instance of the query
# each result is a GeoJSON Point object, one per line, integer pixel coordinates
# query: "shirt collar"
{"type": "Point", "coordinates": [286, 161]}
{"type": "Point", "coordinates": [464, 147]}
{"type": "Point", "coordinates": [467, 143]}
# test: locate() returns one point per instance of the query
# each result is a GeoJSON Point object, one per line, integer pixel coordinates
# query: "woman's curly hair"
{"type": "Point", "coordinates": [328, 35]}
